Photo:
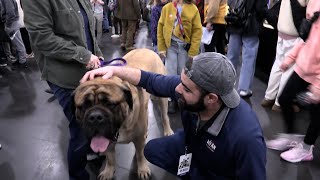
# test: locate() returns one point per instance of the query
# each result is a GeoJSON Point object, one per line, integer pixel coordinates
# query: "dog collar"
{"type": "Point", "coordinates": [113, 62]}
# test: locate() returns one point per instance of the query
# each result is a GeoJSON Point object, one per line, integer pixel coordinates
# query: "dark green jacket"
{"type": "Point", "coordinates": [57, 34]}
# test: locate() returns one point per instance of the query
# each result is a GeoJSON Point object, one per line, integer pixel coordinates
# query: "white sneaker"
{"type": "Point", "coordinates": [244, 93]}
{"type": "Point", "coordinates": [284, 141]}
{"type": "Point", "coordinates": [298, 154]}
{"type": "Point", "coordinates": [115, 35]}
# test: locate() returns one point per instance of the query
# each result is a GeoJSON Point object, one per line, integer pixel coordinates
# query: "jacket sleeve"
{"type": "Point", "coordinates": [154, 23]}
{"type": "Point", "coordinates": [251, 158]}
{"type": "Point", "coordinates": [136, 6]}
{"type": "Point", "coordinates": [213, 9]}
{"type": "Point", "coordinates": [293, 53]}
{"type": "Point", "coordinates": [8, 12]}
{"type": "Point", "coordinates": [196, 35]}
{"type": "Point", "coordinates": [160, 35]}
{"type": "Point", "coordinates": [159, 85]}
{"type": "Point", "coordinates": [40, 25]}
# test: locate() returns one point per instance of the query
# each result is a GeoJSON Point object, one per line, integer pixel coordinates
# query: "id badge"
{"type": "Point", "coordinates": [184, 164]}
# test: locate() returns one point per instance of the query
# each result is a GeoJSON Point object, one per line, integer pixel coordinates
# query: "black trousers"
{"type": "Point", "coordinates": [25, 39]}
{"type": "Point", "coordinates": [218, 41]}
{"type": "Point", "coordinates": [294, 86]}
{"type": "Point", "coordinates": [117, 25]}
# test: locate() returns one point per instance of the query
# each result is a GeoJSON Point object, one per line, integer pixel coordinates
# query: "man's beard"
{"type": "Point", "coordinates": [196, 107]}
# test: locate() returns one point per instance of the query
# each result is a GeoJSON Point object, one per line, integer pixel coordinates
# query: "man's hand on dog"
{"type": "Point", "coordinates": [105, 72]}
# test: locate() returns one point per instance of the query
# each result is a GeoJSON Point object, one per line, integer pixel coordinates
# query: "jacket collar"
{"type": "Point", "coordinates": [216, 126]}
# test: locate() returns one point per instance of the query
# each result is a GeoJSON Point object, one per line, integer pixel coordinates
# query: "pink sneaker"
{"type": "Point", "coordinates": [297, 154]}
{"type": "Point", "coordinates": [284, 141]}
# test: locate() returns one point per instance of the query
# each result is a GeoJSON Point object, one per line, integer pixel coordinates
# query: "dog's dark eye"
{"type": "Point", "coordinates": [111, 105]}
{"type": "Point", "coordinates": [87, 104]}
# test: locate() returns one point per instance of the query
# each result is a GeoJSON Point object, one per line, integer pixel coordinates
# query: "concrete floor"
{"type": "Point", "coordinates": [34, 133]}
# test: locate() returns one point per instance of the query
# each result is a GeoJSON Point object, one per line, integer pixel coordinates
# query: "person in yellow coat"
{"type": "Point", "coordinates": [179, 35]}
{"type": "Point", "coordinates": [214, 13]}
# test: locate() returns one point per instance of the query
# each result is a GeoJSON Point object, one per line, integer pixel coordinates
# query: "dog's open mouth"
{"type": "Point", "coordinates": [99, 144]}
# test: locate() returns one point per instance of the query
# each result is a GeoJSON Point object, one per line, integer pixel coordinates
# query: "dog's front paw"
{"type": "Point", "coordinates": [144, 172]}
{"type": "Point", "coordinates": [106, 174]}
{"type": "Point", "coordinates": [168, 132]}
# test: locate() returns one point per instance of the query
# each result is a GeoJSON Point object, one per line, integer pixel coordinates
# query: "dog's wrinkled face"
{"type": "Point", "coordinates": [101, 108]}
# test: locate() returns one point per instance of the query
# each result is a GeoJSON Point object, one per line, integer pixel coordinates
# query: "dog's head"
{"type": "Point", "coordinates": [101, 108]}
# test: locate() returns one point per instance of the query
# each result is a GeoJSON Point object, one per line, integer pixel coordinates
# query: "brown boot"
{"type": "Point", "coordinates": [267, 103]}
{"type": "Point", "coordinates": [276, 108]}
{"type": "Point", "coordinates": [123, 46]}
{"type": "Point", "coordinates": [130, 48]}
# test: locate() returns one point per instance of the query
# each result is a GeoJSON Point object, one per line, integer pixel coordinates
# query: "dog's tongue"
{"type": "Point", "coordinates": [99, 144]}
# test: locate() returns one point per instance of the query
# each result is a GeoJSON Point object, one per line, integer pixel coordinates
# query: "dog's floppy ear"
{"type": "Point", "coordinates": [127, 95]}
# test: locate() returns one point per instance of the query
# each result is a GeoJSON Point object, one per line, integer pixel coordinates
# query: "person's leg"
{"type": "Point", "coordinates": [132, 24]}
{"type": "Point", "coordinates": [171, 65]}
{"type": "Point", "coordinates": [314, 126]}
{"type": "Point", "coordinates": [182, 59]}
{"type": "Point", "coordinates": [249, 55]}
{"type": "Point", "coordinates": [171, 59]}
{"type": "Point", "coordinates": [21, 50]}
{"type": "Point", "coordinates": [165, 152]}
{"type": "Point", "coordinates": [26, 40]}
{"type": "Point", "coordinates": [234, 49]}
{"type": "Point", "coordinates": [220, 36]}
{"type": "Point", "coordinates": [287, 46]}
{"type": "Point", "coordinates": [99, 20]}
{"type": "Point", "coordinates": [275, 75]}
{"type": "Point", "coordinates": [3, 58]}
{"type": "Point", "coordinates": [304, 151]}
{"type": "Point", "coordinates": [124, 34]}
{"type": "Point", "coordinates": [294, 86]}
{"type": "Point", "coordinates": [116, 25]}
{"type": "Point", "coordinates": [78, 144]}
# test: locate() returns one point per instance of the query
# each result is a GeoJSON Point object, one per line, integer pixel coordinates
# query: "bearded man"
{"type": "Point", "coordinates": [221, 136]}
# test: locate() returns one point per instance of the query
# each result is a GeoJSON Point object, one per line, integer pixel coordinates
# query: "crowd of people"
{"type": "Point", "coordinates": [218, 125]}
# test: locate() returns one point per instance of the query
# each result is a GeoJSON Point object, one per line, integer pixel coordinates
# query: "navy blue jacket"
{"type": "Point", "coordinates": [229, 146]}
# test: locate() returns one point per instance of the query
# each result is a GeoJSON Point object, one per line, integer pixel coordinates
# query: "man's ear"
{"type": "Point", "coordinates": [212, 98]}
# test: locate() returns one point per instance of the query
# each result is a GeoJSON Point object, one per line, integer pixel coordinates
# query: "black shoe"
{"type": "Point", "coordinates": [20, 65]}
{"type": "Point", "coordinates": [49, 91]}
{"type": "Point", "coordinates": [172, 107]}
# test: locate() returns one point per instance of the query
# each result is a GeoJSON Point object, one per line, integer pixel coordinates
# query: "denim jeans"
{"type": "Point", "coordinates": [78, 144]}
{"type": "Point", "coordinates": [165, 152]}
{"type": "Point", "coordinates": [18, 44]}
{"type": "Point", "coordinates": [249, 46]}
{"type": "Point", "coordinates": [176, 58]}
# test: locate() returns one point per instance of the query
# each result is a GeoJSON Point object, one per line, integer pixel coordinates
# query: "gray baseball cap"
{"type": "Point", "coordinates": [214, 73]}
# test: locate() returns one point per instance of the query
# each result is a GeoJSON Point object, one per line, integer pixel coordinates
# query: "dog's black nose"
{"type": "Point", "coordinates": [95, 117]}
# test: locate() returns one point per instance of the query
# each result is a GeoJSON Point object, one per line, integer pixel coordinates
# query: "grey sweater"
{"type": "Point", "coordinates": [9, 16]}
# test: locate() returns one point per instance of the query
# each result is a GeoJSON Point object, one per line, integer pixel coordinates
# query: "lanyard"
{"type": "Point", "coordinates": [179, 21]}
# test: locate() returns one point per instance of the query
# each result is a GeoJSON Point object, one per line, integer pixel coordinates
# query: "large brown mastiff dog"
{"type": "Point", "coordinates": [114, 111]}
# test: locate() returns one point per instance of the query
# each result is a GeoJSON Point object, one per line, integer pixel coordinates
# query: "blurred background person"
{"type": "Point", "coordinates": [214, 13]}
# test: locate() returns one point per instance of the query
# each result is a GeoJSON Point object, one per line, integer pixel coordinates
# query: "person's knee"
{"type": "Point", "coordinates": [150, 150]}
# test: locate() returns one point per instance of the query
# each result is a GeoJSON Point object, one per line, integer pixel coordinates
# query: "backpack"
{"type": "Point", "coordinates": [237, 14]}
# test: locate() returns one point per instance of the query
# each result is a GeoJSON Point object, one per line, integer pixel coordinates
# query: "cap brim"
{"type": "Point", "coordinates": [232, 99]}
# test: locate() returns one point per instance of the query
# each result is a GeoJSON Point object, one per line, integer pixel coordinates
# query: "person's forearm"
{"type": "Point", "coordinates": [132, 75]}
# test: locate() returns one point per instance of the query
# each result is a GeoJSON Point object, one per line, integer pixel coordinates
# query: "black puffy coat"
{"type": "Point", "coordinates": [256, 13]}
